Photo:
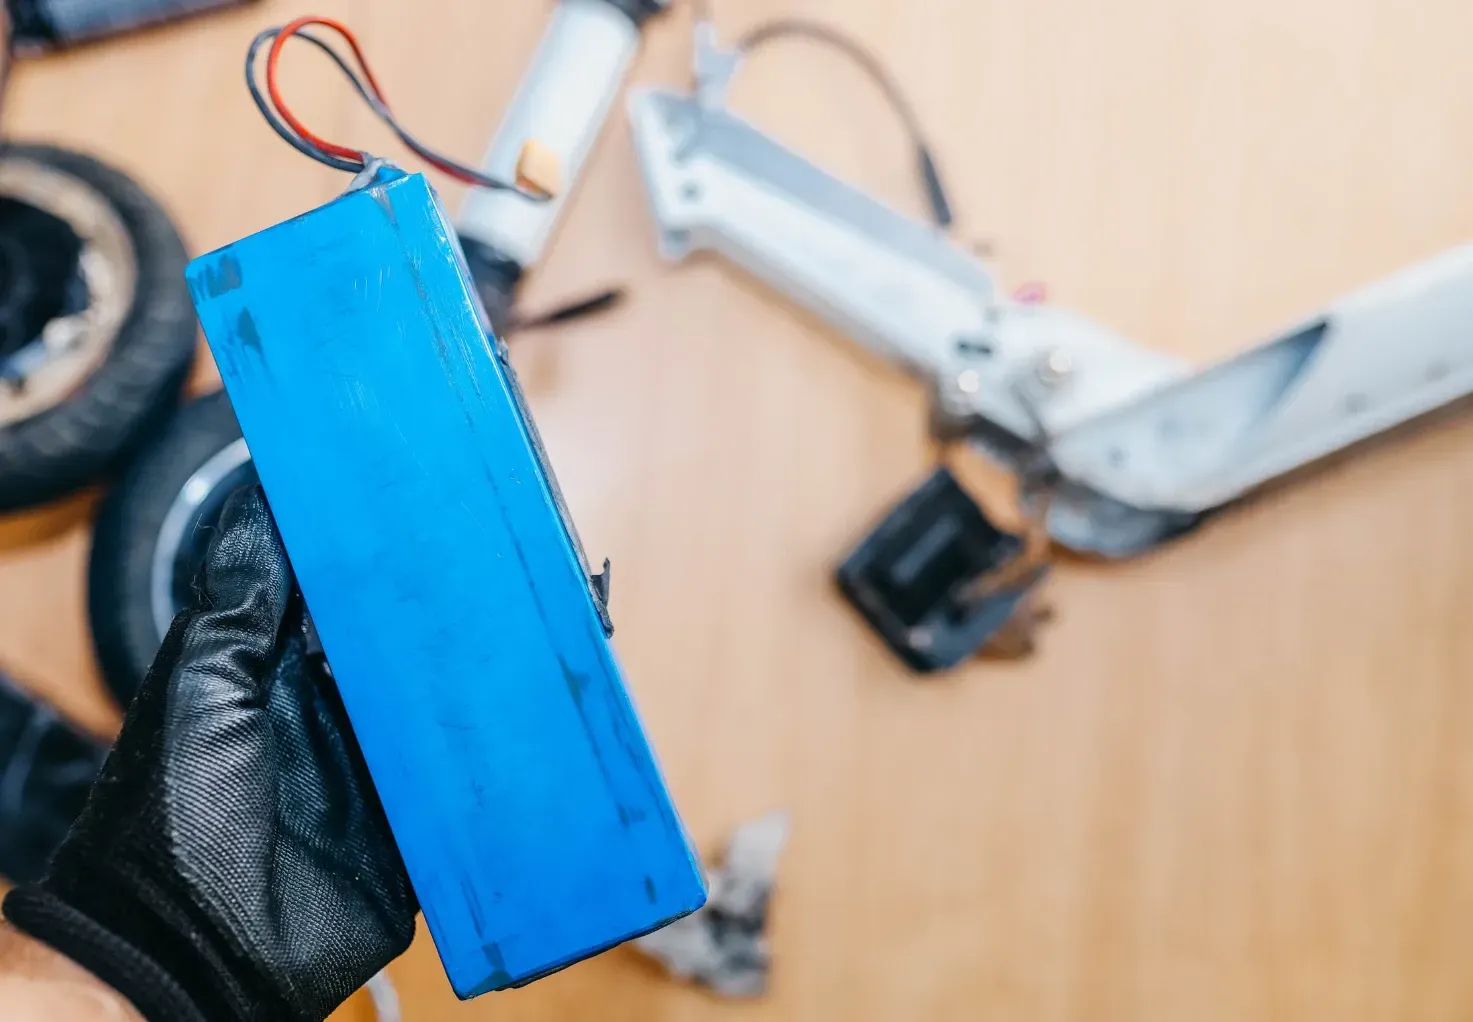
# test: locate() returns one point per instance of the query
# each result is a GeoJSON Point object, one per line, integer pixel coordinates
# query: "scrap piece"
{"type": "Point", "coordinates": [724, 945]}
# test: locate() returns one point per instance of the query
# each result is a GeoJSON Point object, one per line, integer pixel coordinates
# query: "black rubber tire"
{"type": "Point", "coordinates": [97, 428]}
{"type": "Point", "coordinates": [119, 574]}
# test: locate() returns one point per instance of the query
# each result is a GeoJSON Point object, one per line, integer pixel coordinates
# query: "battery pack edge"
{"type": "Point", "coordinates": [410, 490]}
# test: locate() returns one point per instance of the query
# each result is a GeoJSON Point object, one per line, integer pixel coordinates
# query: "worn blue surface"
{"type": "Point", "coordinates": [449, 596]}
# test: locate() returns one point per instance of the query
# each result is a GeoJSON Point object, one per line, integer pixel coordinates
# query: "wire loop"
{"type": "Point", "coordinates": [340, 157]}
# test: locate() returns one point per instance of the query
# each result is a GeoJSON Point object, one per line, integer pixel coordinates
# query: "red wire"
{"type": "Point", "coordinates": [344, 152]}
{"type": "Point", "coordinates": [450, 171]}
{"type": "Point", "coordinates": [291, 29]}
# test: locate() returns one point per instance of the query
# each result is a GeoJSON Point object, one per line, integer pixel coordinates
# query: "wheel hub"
{"type": "Point", "coordinates": [180, 551]}
{"type": "Point", "coordinates": [67, 277]}
{"type": "Point", "coordinates": [39, 262]}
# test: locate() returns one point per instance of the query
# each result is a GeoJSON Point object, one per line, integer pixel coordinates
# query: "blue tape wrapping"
{"type": "Point", "coordinates": [447, 586]}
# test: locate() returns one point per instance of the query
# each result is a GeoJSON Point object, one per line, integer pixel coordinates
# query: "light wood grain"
{"type": "Point", "coordinates": [1237, 783]}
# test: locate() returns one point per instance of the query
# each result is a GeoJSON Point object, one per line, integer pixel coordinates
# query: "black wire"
{"type": "Point", "coordinates": [424, 152]}
{"type": "Point", "coordinates": [384, 114]}
{"type": "Point", "coordinates": [780, 28]}
{"type": "Point", "coordinates": [798, 27]}
{"type": "Point", "coordinates": [474, 176]}
{"type": "Point", "coordinates": [281, 128]}
{"type": "Point", "coordinates": [601, 302]}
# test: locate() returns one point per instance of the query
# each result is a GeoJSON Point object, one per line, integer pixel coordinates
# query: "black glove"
{"type": "Point", "coordinates": [233, 861]}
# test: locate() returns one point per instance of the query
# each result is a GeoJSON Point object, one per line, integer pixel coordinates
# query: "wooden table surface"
{"type": "Point", "coordinates": [1237, 782]}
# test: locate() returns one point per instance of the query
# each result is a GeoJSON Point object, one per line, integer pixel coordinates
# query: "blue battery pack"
{"type": "Point", "coordinates": [448, 587]}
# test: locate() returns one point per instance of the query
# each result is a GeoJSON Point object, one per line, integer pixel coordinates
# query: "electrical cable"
{"type": "Point", "coordinates": [600, 302]}
{"type": "Point", "coordinates": [317, 151]}
{"type": "Point", "coordinates": [781, 28]}
{"type": "Point", "coordinates": [296, 134]}
{"type": "Point", "coordinates": [279, 126]}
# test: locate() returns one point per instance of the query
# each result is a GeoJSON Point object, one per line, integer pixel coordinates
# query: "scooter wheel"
{"type": "Point", "coordinates": [151, 534]}
{"type": "Point", "coordinates": [96, 329]}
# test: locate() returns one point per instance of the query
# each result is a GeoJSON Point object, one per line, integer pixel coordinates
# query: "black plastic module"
{"type": "Point", "coordinates": [46, 770]}
{"type": "Point", "coordinates": [915, 577]}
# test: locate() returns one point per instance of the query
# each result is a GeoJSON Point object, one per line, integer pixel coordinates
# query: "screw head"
{"type": "Point", "coordinates": [1054, 368]}
{"type": "Point", "coordinates": [968, 381]}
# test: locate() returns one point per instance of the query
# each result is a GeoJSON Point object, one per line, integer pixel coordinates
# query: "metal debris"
{"type": "Point", "coordinates": [723, 946]}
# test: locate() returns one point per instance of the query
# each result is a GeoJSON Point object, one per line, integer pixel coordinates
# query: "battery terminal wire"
{"type": "Point", "coordinates": [537, 172]}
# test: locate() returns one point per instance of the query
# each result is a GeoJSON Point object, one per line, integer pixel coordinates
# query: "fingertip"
{"type": "Point", "coordinates": [246, 565]}
{"type": "Point", "coordinates": [243, 508]}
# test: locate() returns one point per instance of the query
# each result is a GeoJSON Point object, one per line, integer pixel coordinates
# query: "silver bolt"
{"type": "Point", "coordinates": [1054, 368]}
{"type": "Point", "coordinates": [921, 637]}
{"type": "Point", "coordinates": [968, 381]}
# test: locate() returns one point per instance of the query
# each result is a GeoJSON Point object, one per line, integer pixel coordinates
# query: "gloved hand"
{"type": "Point", "coordinates": [233, 861]}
